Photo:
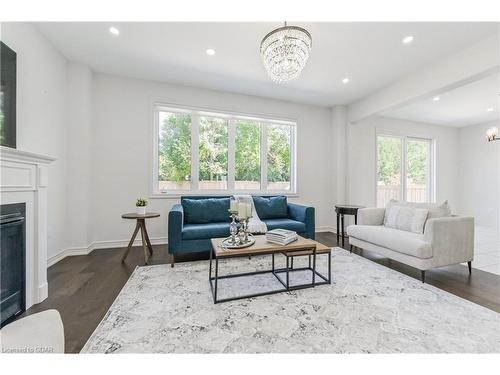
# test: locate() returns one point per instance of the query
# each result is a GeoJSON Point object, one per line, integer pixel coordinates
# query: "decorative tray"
{"type": "Point", "coordinates": [227, 244]}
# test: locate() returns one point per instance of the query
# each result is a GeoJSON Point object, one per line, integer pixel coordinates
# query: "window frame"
{"type": "Point", "coordinates": [431, 178]}
{"type": "Point", "coordinates": [232, 117]}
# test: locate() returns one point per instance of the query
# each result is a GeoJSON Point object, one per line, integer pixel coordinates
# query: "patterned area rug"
{"type": "Point", "coordinates": [368, 308]}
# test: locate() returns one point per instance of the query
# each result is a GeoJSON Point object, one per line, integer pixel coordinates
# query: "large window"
{"type": "Point", "coordinates": [404, 169]}
{"type": "Point", "coordinates": [200, 151]}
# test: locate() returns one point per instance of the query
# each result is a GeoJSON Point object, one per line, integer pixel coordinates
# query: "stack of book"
{"type": "Point", "coordinates": [281, 236]}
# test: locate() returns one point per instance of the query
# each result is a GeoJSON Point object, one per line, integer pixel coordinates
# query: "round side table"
{"type": "Point", "coordinates": [140, 225]}
{"type": "Point", "coordinates": [345, 209]}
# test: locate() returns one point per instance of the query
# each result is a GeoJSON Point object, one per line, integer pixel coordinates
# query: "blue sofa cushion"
{"type": "Point", "coordinates": [205, 231]}
{"type": "Point", "coordinates": [204, 211]}
{"type": "Point", "coordinates": [271, 207]}
{"type": "Point", "coordinates": [289, 224]}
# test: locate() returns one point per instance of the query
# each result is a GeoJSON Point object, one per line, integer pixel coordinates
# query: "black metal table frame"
{"type": "Point", "coordinates": [275, 271]}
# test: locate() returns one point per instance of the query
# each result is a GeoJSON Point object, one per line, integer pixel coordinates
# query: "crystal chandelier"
{"type": "Point", "coordinates": [285, 52]}
{"type": "Point", "coordinates": [492, 134]}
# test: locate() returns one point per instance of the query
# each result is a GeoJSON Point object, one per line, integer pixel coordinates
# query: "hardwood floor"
{"type": "Point", "coordinates": [82, 288]}
{"type": "Point", "coordinates": [481, 287]}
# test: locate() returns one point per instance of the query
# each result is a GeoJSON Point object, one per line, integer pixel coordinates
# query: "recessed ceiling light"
{"type": "Point", "coordinates": [210, 52]}
{"type": "Point", "coordinates": [345, 80]}
{"type": "Point", "coordinates": [489, 110]}
{"type": "Point", "coordinates": [408, 39]}
{"type": "Point", "coordinates": [114, 30]}
{"type": "Point", "coordinates": [436, 98]}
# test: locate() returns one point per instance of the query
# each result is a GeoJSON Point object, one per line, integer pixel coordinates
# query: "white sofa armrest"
{"type": "Point", "coordinates": [452, 239]}
{"type": "Point", "coordinates": [42, 332]}
{"type": "Point", "coordinates": [371, 216]}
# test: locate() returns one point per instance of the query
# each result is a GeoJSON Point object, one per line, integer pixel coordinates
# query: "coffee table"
{"type": "Point", "coordinates": [301, 247]}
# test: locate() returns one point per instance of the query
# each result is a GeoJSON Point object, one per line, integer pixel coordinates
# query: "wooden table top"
{"type": "Point", "coordinates": [134, 215]}
{"type": "Point", "coordinates": [303, 246]}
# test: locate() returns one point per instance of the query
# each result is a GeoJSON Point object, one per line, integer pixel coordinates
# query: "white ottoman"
{"type": "Point", "coordinates": [38, 333]}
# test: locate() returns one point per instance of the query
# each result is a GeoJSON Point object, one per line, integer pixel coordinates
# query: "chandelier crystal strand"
{"type": "Point", "coordinates": [285, 52]}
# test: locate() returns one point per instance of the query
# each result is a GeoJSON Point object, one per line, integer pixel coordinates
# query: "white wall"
{"type": "Point", "coordinates": [339, 173]}
{"type": "Point", "coordinates": [479, 175]}
{"type": "Point", "coordinates": [79, 86]}
{"type": "Point", "coordinates": [362, 157]}
{"type": "Point", "coordinates": [121, 147]}
{"type": "Point", "coordinates": [99, 128]}
{"type": "Point", "coordinates": [41, 115]}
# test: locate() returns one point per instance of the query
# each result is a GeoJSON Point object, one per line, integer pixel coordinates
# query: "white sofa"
{"type": "Point", "coordinates": [444, 241]}
{"type": "Point", "coordinates": [42, 332]}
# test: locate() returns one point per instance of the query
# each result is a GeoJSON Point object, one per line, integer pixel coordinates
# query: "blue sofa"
{"type": "Point", "coordinates": [196, 219]}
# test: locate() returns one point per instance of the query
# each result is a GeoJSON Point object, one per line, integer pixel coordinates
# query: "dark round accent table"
{"type": "Point", "coordinates": [345, 209]}
{"type": "Point", "coordinates": [140, 225]}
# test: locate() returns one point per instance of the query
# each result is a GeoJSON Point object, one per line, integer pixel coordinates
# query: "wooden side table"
{"type": "Point", "coordinates": [345, 209]}
{"type": "Point", "coordinates": [141, 224]}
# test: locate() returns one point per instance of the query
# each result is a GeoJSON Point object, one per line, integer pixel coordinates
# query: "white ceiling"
{"type": "Point", "coordinates": [462, 106]}
{"type": "Point", "coordinates": [370, 54]}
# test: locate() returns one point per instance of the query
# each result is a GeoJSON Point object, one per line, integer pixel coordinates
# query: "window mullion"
{"type": "Point", "coordinates": [195, 152]}
{"type": "Point", "coordinates": [263, 156]}
{"type": "Point", "coordinates": [231, 157]}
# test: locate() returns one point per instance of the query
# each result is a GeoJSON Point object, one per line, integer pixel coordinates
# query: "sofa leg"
{"type": "Point", "coordinates": [173, 262]}
{"type": "Point", "coordinates": [469, 263]}
{"type": "Point", "coordinates": [350, 250]}
{"type": "Point", "coordinates": [422, 273]}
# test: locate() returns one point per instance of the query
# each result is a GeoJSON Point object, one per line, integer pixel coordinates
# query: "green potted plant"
{"type": "Point", "coordinates": [140, 205]}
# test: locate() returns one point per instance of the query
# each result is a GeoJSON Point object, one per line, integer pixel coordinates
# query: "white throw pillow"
{"type": "Point", "coordinates": [409, 219]}
{"type": "Point", "coordinates": [435, 209]}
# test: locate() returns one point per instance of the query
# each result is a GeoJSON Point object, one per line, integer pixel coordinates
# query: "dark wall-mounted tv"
{"type": "Point", "coordinates": [7, 96]}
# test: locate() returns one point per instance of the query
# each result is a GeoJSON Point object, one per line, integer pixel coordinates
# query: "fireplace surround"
{"type": "Point", "coordinates": [12, 261]}
{"type": "Point", "coordinates": [24, 180]}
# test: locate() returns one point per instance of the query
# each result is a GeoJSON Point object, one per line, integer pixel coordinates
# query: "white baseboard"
{"type": "Point", "coordinates": [73, 251]}
{"type": "Point", "coordinates": [66, 253]}
{"type": "Point", "coordinates": [43, 292]}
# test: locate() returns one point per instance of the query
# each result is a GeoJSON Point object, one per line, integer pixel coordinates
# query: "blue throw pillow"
{"type": "Point", "coordinates": [206, 210]}
{"type": "Point", "coordinates": [272, 207]}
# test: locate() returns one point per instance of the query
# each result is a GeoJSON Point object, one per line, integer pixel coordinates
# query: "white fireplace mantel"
{"type": "Point", "coordinates": [24, 179]}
